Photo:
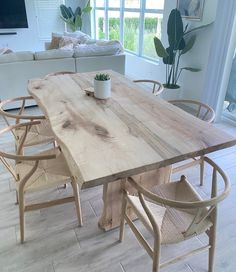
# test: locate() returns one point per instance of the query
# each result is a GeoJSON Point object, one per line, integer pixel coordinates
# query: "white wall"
{"type": "Point", "coordinates": [191, 83]}
{"type": "Point", "coordinates": [28, 38]}
{"type": "Point", "coordinates": [25, 39]}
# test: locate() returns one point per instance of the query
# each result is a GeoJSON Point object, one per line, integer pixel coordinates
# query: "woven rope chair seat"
{"type": "Point", "coordinates": [48, 174]}
{"type": "Point", "coordinates": [38, 134]}
{"type": "Point", "coordinates": [173, 222]}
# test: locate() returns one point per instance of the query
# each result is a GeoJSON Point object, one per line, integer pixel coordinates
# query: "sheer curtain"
{"type": "Point", "coordinates": [221, 55]}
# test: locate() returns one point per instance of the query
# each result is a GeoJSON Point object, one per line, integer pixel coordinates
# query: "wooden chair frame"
{"type": "Point", "coordinates": [203, 209]}
{"type": "Point", "coordinates": [18, 158]}
{"type": "Point", "coordinates": [157, 89]}
{"type": "Point", "coordinates": [21, 116]}
{"type": "Point", "coordinates": [200, 105]}
{"type": "Point", "coordinates": [209, 111]}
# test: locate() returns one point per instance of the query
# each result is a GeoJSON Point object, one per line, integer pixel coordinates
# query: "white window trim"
{"type": "Point", "coordinates": [142, 10]}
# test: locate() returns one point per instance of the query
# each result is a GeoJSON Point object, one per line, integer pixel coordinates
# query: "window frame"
{"type": "Point", "coordinates": [142, 10]}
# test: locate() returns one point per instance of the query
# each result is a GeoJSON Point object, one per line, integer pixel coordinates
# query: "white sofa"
{"type": "Point", "coordinates": [17, 68]}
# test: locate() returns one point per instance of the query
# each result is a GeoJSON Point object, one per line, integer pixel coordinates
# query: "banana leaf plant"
{"type": "Point", "coordinates": [181, 40]}
{"type": "Point", "coordinates": [74, 18]}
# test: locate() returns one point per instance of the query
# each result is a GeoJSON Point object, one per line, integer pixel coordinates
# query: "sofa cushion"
{"type": "Point", "coordinates": [81, 36]}
{"type": "Point", "coordinates": [68, 41]}
{"type": "Point", "coordinates": [53, 54]}
{"type": "Point", "coordinates": [5, 51]}
{"type": "Point", "coordinates": [102, 48]}
{"type": "Point", "coordinates": [17, 56]}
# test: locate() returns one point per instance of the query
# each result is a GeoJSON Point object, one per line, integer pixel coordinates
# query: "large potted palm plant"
{"type": "Point", "coordinates": [181, 40]}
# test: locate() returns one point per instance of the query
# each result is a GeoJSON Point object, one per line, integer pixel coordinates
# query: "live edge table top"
{"type": "Point", "coordinates": [130, 133]}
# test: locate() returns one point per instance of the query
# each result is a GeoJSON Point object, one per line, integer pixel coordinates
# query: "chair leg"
{"type": "Point", "coordinates": [212, 242]}
{"type": "Point", "coordinates": [55, 144]}
{"type": "Point", "coordinates": [17, 201]}
{"type": "Point", "coordinates": [77, 201]}
{"type": "Point", "coordinates": [22, 215]}
{"type": "Point", "coordinates": [201, 170]}
{"type": "Point", "coordinates": [122, 217]}
{"type": "Point", "coordinates": [156, 254]}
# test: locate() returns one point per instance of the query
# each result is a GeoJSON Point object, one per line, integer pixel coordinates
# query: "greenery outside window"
{"type": "Point", "coordinates": [133, 22]}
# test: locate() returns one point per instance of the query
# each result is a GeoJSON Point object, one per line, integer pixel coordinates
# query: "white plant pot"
{"type": "Point", "coordinates": [102, 89]}
{"type": "Point", "coordinates": [171, 94]}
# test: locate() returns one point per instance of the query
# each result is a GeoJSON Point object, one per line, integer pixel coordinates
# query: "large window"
{"type": "Point", "coordinates": [133, 22]}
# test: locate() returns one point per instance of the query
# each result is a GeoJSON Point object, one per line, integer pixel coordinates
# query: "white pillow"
{"type": "Point", "coordinates": [17, 56]}
{"type": "Point", "coordinates": [67, 41]}
{"type": "Point", "coordinates": [53, 54]}
{"type": "Point", "coordinates": [90, 41]}
{"type": "Point", "coordinates": [87, 50]}
{"type": "Point", "coordinates": [81, 36]}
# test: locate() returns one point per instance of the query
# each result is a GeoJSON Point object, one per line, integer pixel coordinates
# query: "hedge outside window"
{"type": "Point", "coordinates": [133, 22]}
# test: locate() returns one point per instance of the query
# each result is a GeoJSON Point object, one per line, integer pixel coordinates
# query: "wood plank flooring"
{"type": "Point", "coordinates": [54, 242]}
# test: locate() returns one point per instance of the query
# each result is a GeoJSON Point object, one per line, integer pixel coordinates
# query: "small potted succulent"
{"type": "Point", "coordinates": [102, 86]}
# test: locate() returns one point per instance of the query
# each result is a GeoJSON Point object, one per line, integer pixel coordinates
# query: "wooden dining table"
{"type": "Point", "coordinates": [133, 133]}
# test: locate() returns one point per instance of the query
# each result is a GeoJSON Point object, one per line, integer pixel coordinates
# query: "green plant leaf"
{"type": "Point", "coordinates": [181, 45]}
{"type": "Point", "coordinates": [65, 12]}
{"type": "Point", "coordinates": [189, 44]}
{"type": "Point", "coordinates": [71, 12]}
{"type": "Point", "coordinates": [198, 28]}
{"type": "Point", "coordinates": [170, 58]}
{"type": "Point", "coordinates": [78, 22]}
{"type": "Point", "coordinates": [78, 11]}
{"type": "Point", "coordinates": [160, 50]}
{"type": "Point", "coordinates": [175, 29]}
{"type": "Point", "coordinates": [87, 9]}
{"type": "Point", "coordinates": [191, 69]}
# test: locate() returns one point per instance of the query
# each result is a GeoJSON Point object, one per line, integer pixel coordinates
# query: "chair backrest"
{"type": "Point", "coordinates": [20, 108]}
{"type": "Point", "coordinates": [16, 157]}
{"type": "Point", "coordinates": [196, 108]}
{"type": "Point", "coordinates": [201, 209]}
{"type": "Point", "coordinates": [19, 113]}
{"type": "Point", "coordinates": [157, 88]}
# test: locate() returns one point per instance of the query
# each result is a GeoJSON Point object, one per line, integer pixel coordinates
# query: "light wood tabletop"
{"type": "Point", "coordinates": [130, 133]}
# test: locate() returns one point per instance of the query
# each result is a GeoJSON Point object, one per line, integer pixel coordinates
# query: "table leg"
{"type": "Point", "coordinates": [112, 195]}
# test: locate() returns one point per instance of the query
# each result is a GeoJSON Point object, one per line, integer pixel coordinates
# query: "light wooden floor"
{"type": "Point", "coordinates": [54, 243]}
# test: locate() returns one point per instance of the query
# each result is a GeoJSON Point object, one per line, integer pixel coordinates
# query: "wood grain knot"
{"type": "Point", "coordinates": [101, 131]}
{"type": "Point", "coordinates": [67, 124]}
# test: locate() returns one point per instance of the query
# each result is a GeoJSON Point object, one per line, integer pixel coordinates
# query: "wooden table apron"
{"type": "Point", "coordinates": [131, 133]}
